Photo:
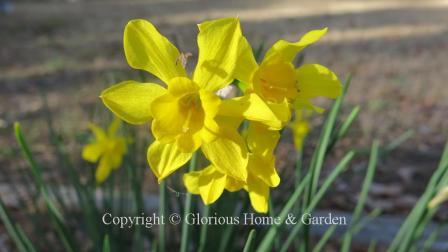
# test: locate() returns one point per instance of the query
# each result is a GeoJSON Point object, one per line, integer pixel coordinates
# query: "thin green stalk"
{"type": "Point", "coordinates": [106, 244]}
{"type": "Point", "coordinates": [84, 198]}
{"type": "Point", "coordinates": [11, 228]}
{"type": "Point", "coordinates": [324, 141]}
{"type": "Point", "coordinates": [343, 129]}
{"type": "Point", "coordinates": [363, 195]}
{"type": "Point", "coordinates": [188, 200]}
{"type": "Point", "coordinates": [405, 235]}
{"type": "Point", "coordinates": [204, 229]}
{"type": "Point", "coordinates": [318, 196]}
{"type": "Point", "coordinates": [431, 239]}
{"type": "Point", "coordinates": [324, 239]}
{"type": "Point", "coordinates": [249, 241]}
{"type": "Point", "coordinates": [55, 215]}
{"type": "Point", "coordinates": [162, 212]}
{"type": "Point", "coordinates": [273, 230]}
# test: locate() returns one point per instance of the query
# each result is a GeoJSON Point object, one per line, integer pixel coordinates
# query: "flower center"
{"type": "Point", "coordinates": [275, 81]}
{"type": "Point", "coordinates": [193, 114]}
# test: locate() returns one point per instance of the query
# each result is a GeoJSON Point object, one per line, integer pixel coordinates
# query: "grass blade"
{"type": "Point", "coordinates": [324, 239]}
{"type": "Point", "coordinates": [162, 212]}
{"type": "Point", "coordinates": [188, 200]}
{"type": "Point", "coordinates": [204, 229]}
{"type": "Point", "coordinates": [249, 241]}
{"type": "Point", "coordinates": [11, 228]}
{"type": "Point", "coordinates": [364, 192]}
{"type": "Point", "coordinates": [55, 215]}
{"type": "Point", "coordinates": [318, 196]}
{"type": "Point", "coordinates": [106, 244]}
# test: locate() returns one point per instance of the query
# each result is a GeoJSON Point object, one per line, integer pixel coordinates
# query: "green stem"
{"type": "Point", "coordinates": [249, 241]}
{"type": "Point", "coordinates": [188, 200]}
{"type": "Point", "coordinates": [162, 212]}
{"type": "Point", "coordinates": [204, 229]}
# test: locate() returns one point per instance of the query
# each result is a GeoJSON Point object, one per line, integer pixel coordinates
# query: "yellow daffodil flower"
{"type": "Point", "coordinates": [210, 183]}
{"type": "Point", "coordinates": [107, 147]}
{"type": "Point", "coordinates": [183, 114]}
{"type": "Point", "coordinates": [300, 128]}
{"type": "Point", "coordinates": [276, 79]}
{"type": "Point", "coordinates": [440, 197]}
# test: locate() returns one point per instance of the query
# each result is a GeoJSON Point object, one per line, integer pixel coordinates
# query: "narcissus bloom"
{"type": "Point", "coordinates": [210, 183]}
{"type": "Point", "coordinates": [276, 79]}
{"type": "Point", "coordinates": [440, 197]}
{"type": "Point", "coordinates": [183, 114]}
{"type": "Point", "coordinates": [107, 147]}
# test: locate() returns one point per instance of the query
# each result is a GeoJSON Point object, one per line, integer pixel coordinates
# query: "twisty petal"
{"type": "Point", "coordinates": [103, 170]}
{"type": "Point", "coordinates": [164, 159]}
{"type": "Point", "coordinates": [247, 64]}
{"type": "Point", "coordinates": [191, 181]}
{"type": "Point", "coordinates": [315, 80]}
{"type": "Point", "coordinates": [131, 101]}
{"type": "Point", "coordinates": [92, 152]}
{"type": "Point", "coordinates": [211, 184]}
{"type": "Point", "coordinates": [228, 153]}
{"type": "Point", "coordinates": [147, 49]}
{"type": "Point", "coordinates": [261, 140]}
{"type": "Point", "coordinates": [208, 182]}
{"type": "Point", "coordinates": [250, 107]}
{"type": "Point", "coordinates": [258, 194]}
{"type": "Point", "coordinates": [218, 43]}
{"type": "Point", "coordinates": [286, 51]}
{"type": "Point", "coordinates": [263, 167]}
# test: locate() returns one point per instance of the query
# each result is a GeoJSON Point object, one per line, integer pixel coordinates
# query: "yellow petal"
{"type": "Point", "coordinates": [147, 49]}
{"type": "Point", "coordinates": [218, 43]}
{"type": "Point", "coordinates": [260, 139]}
{"type": "Point", "coordinates": [258, 194]}
{"type": "Point", "coordinates": [286, 51]}
{"type": "Point", "coordinates": [191, 181]}
{"type": "Point", "coordinates": [281, 110]}
{"type": "Point", "coordinates": [250, 107]}
{"type": "Point", "coordinates": [103, 170]}
{"type": "Point", "coordinates": [210, 103]}
{"type": "Point", "coordinates": [228, 153]}
{"type": "Point", "coordinates": [247, 64]}
{"type": "Point", "coordinates": [315, 80]}
{"type": "Point", "coordinates": [92, 152]}
{"type": "Point", "coordinates": [211, 184]}
{"type": "Point", "coordinates": [180, 86]}
{"type": "Point", "coordinates": [263, 167]}
{"type": "Point", "coordinates": [97, 131]}
{"type": "Point", "coordinates": [131, 101]}
{"type": "Point", "coordinates": [164, 159]}
{"type": "Point", "coordinates": [210, 131]}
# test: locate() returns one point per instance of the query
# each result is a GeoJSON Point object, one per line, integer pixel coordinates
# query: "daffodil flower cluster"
{"type": "Point", "coordinates": [108, 147]}
{"type": "Point", "coordinates": [187, 115]}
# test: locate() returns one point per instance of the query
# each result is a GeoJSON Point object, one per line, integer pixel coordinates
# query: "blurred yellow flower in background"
{"type": "Point", "coordinates": [440, 197]}
{"type": "Point", "coordinates": [107, 147]}
{"type": "Point", "coordinates": [184, 113]}
{"type": "Point", "coordinates": [300, 128]}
